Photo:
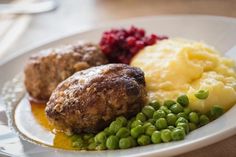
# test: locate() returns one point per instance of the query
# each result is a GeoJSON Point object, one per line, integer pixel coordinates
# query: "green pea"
{"type": "Point", "coordinates": [123, 132]}
{"type": "Point", "coordinates": [87, 136]}
{"type": "Point", "coordinates": [193, 117]}
{"type": "Point", "coordinates": [91, 140]}
{"type": "Point", "coordinates": [192, 126]}
{"type": "Point", "coordinates": [115, 126]}
{"type": "Point", "coordinates": [122, 119]}
{"type": "Point", "coordinates": [166, 135]}
{"type": "Point", "coordinates": [187, 111]}
{"type": "Point", "coordinates": [155, 104]}
{"type": "Point", "coordinates": [171, 127]}
{"type": "Point", "coordinates": [148, 111]}
{"type": "Point", "coordinates": [182, 114]}
{"type": "Point", "coordinates": [112, 142]}
{"type": "Point", "coordinates": [159, 114]}
{"type": "Point", "coordinates": [136, 123]}
{"type": "Point", "coordinates": [177, 134]}
{"type": "Point", "coordinates": [183, 100]}
{"type": "Point", "coordinates": [216, 111]}
{"type": "Point", "coordinates": [176, 108]}
{"type": "Point", "coordinates": [165, 109]}
{"type": "Point", "coordinates": [203, 120]}
{"type": "Point", "coordinates": [130, 122]}
{"type": "Point", "coordinates": [181, 120]}
{"type": "Point", "coordinates": [133, 141]}
{"type": "Point", "coordinates": [161, 123]}
{"type": "Point", "coordinates": [202, 94]}
{"type": "Point", "coordinates": [79, 143]}
{"type": "Point", "coordinates": [169, 103]}
{"type": "Point", "coordinates": [92, 146]}
{"type": "Point", "coordinates": [146, 125]}
{"type": "Point", "coordinates": [107, 131]}
{"type": "Point", "coordinates": [101, 146]}
{"type": "Point", "coordinates": [74, 137]}
{"type": "Point", "coordinates": [100, 137]}
{"type": "Point", "coordinates": [156, 137]}
{"type": "Point", "coordinates": [171, 119]}
{"type": "Point", "coordinates": [140, 116]}
{"type": "Point", "coordinates": [181, 128]}
{"type": "Point", "coordinates": [151, 120]}
{"type": "Point", "coordinates": [144, 140]}
{"type": "Point", "coordinates": [125, 143]}
{"type": "Point", "coordinates": [185, 126]}
{"type": "Point", "coordinates": [136, 131]}
{"type": "Point", "coordinates": [150, 130]}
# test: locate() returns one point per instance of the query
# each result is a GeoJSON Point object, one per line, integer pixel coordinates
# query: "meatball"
{"type": "Point", "coordinates": [45, 70]}
{"type": "Point", "coordinates": [90, 99]}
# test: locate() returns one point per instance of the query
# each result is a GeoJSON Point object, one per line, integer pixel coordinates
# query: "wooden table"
{"type": "Point", "coordinates": [76, 15]}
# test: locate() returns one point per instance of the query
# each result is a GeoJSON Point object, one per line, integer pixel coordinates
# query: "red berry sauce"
{"type": "Point", "coordinates": [120, 45]}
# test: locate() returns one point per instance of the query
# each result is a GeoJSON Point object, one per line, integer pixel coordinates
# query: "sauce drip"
{"type": "Point", "coordinates": [61, 140]}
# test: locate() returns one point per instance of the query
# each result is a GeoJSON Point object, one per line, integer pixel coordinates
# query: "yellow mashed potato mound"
{"type": "Point", "coordinates": [178, 66]}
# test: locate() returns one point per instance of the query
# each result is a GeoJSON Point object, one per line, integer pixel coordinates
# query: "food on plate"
{"type": "Point", "coordinates": [45, 70]}
{"type": "Point", "coordinates": [120, 45]}
{"type": "Point", "coordinates": [170, 88]}
{"type": "Point", "coordinates": [177, 66]}
{"type": "Point", "coordinates": [156, 123]}
{"type": "Point", "coordinates": [90, 99]}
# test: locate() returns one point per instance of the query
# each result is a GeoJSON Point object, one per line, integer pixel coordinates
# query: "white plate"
{"type": "Point", "coordinates": [217, 31]}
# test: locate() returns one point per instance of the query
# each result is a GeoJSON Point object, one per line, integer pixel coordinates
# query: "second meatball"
{"type": "Point", "coordinates": [90, 99]}
{"type": "Point", "coordinates": [45, 70]}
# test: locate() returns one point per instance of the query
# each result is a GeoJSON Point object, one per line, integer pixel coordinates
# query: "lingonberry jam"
{"type": "Point", "coordinates": [120, 45]}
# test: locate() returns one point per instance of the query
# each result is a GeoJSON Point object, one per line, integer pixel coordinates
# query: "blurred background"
{"type": "Point", "coordinates": [20, 29]}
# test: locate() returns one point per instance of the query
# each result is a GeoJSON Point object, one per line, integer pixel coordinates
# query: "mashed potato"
{"type": "Point", "coordinates": [178, 66]}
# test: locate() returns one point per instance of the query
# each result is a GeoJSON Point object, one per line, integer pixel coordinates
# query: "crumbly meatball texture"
{"type": "Point", "coordinates": [45, 70]}
{"type": "Point", "coordinates": [90, 99]}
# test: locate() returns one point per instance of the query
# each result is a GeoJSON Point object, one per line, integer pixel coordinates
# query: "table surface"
{"type": "Point", "coordinates": [76, 15]}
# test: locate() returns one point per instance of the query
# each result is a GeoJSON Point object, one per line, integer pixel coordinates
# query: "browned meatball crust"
{"type": "Point", "coordinates": [90, 99]}
{"type": "Point", "coordinates": [45, 70]}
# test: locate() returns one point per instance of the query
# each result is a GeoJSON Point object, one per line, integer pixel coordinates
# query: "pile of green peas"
{"type": "Point", "coordinates": [156, 123]}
